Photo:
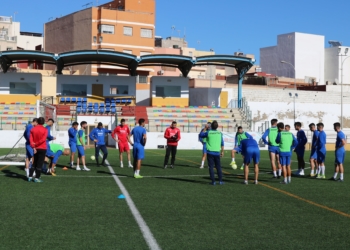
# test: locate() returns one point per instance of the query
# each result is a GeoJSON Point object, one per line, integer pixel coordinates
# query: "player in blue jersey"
{"type": "Point", "coordinates": [240, 136]}
{"type": "Point", "coordinates": [339, 152]}
{"type": "Point", "coordinates": [29, 149]}
{"type": "Point", "coordinates": [138, 151]}
{"type": "Point", "coordinates": [271, 133]}
{"type": "Point", "coordinates": [250, 149]}
{"type": "Point", "coordinates": [300, 149]}
{"type": "Point", "coordinates": [204, 143]}
{"type": "Point", "coordinates": [72, 142]}
{"type": "Point", "coordinates": [287, 142]}
{"type": "Point", "coordinates": [321, 151]}
{"type": "Point", "coordinates": [98, 136]}
{"type": "Point", "coordinates": [49, 138]}
{"type": "Point", "coordinates": [313, 154]}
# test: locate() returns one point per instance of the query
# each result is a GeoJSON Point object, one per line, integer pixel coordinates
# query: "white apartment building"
{"type": "Point", "coordinates": [337, 65]}
{"type": "Point", "coordinates": [303, 51]}
{"type": "Point", "coordinates": [9, 32]}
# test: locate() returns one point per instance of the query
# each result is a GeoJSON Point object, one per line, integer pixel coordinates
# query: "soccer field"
{"type": "Point", "coordinates": [80, 210]}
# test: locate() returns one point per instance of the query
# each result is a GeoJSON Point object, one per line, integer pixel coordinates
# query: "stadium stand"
{"type": "Point", "coordinates": [15, 115]}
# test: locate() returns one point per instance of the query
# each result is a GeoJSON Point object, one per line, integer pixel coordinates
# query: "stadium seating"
{"type": "Point", "coordinates": [16, 115]}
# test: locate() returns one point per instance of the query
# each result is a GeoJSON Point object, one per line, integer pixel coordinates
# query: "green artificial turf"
{"type": "Point", "coordinates": [80, 210]}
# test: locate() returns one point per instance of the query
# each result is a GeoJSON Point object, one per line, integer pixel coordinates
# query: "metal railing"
{"type": "Point", "coordinates": [244, 110]}
{"type": "Point", "coordinates": [5, 19]}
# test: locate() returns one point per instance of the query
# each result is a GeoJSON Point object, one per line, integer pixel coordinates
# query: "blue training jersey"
{"type": "Point", "coordinates": [138, 133]}
{"type": "Point", "coordinates": [302, 139]}
{"type": "Point", "coordinates": [340, 138]}
{"type": "Point", "coordinates": [72, 134]}
{"type": "Point", "coordinates": [248, 143]}
{"type": "Point", "coordinates": [26, 133]}
{"type": "Point", "coordinates": [321, 142]}
{"type": "Point", "coordinates": [99, 135]}
{"type": "Point", "coordinates": [314, 139]}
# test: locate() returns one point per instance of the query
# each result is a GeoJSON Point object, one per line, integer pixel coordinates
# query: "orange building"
{"type": "Point", "coordinates": [121, 25]}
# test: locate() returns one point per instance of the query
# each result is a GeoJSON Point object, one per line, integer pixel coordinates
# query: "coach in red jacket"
{"type": "Point", "coordinates": [173, 136]}
{"type": "Point", "coordinates": [37, 140]}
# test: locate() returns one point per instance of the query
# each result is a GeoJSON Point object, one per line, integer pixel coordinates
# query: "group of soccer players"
{"type": "Point", "coordinates": [281, 143]}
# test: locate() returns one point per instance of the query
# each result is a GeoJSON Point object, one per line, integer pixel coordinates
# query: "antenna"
{"type": "Point", "coordinates": [86, 5]}
{"type": "Point", "coordinates": [172, 29]}
{"type": "Point", "coordinates": [179, 31]}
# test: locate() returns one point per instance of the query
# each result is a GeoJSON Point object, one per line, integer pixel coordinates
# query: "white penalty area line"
{"type": "Point", "coordinates": [146, 232]}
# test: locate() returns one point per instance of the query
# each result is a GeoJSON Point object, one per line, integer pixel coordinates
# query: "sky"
{"type": "Point", "coordinates": [227, 26]}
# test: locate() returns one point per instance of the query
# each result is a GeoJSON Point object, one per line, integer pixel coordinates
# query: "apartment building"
{"type": "Point", "coordinates": [9, 32]}
{"type": "Point", "coordinates": [120, 25]}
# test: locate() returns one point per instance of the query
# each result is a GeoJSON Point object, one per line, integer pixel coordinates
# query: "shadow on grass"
{"type": "Point", "coordinates": [202, 182]}
{"type": "Point", "coordinates": [9, 173]}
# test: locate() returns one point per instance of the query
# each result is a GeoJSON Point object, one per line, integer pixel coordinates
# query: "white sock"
{"type": "Point", "coordinates": [312, 171]}
{"type": "Point", "coordinates": [233, 159]}
{"type": "Point", "coordinates": [285, 180]}
{"type": "Point", "coordinates": [274, 173]}
{"type": "Point", "coordinates": [72, 163]}
{"type": "Point", "coordinates": [341, 176]}
{"type": "Point", "coordinates": [202, 163]}
{"type": "Point", "coordinates": [335, 175]}
{"type": "Point", "coordinates": [84, 166]}
{"type": "Point", "coordinates": [27, 172]}
{"type": "Point", "coordinates": [137, 172]}
{"type": "Point", "coordinates": [129, 162]}
{"type": "Point", "coordinates": [289, 179]}
{"type": "Point", "coordinates": [317, 170]}
{"type": "Point", "coordinates": [279, 172]}
{"type": "Point", "coordinates": [77, 166]}
{"type": "Point", "coordinates": [323, 170]}
{"type": "Point", "coordinates": [121, 163]}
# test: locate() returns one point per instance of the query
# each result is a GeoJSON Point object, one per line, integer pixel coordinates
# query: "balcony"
{"type": "Point", "coordinates": [11, 39]}
{"type": "Point", "coordinates": [5, 19]}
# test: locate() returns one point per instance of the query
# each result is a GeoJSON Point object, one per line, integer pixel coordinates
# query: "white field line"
{"type": "Point", "coordinates": [146, 232]}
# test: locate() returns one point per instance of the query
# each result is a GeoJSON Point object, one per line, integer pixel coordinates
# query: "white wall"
{"type": "Point", "coordinates": [171, 81]}
{"type": "Point", "coordinates": [309, 56]}
{"type": "Point", "coordinates": [333, 65]}
{"type": "Point", "coordinates": [107, 82]}
{"type": "Point", "coordinates": [29, 42]}
{"type": "Point", "coordinates": [304, 51]}
{"type": "Point", "coordinates": [7, 78]}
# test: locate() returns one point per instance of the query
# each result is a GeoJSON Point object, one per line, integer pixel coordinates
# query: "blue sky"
{"type": "Point", "coordinates": [224, 25]}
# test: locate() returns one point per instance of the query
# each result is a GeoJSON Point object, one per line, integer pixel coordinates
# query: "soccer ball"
{"type": "Point", "coordinates": [92, 157]}
{"type": "Point", "coordinates": [234, 167]}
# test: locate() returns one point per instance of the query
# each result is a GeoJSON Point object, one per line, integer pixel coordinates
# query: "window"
{"type": "Point", "coordinates": [74, 89]}
{"type": "Point", "coordinates": [127, 31]}
{"type": "Point", "coordinates": [127, 51]}
{"type": "Point", "coordinates": [168, 91]}
{"type": "Point", "coordinates": [9, 48]}
{"type": "Point", "coordinates": [95, 39]}
{"type": "Point", "coordinates": [28, 88]}
{"type": "Point", "coordinates": [119, 90]}
{"type": "Point", "coordinates": [146, 33]}
{"type": "Point", "coordinates": [144, 53]}
{"type": "Point", "coordinates": [142, 79]}
{"type": "Point", "coordinates": [106, 29]}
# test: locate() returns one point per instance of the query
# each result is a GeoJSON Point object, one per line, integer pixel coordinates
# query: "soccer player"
{"type": "Point", "coordinates": [215, 150]}
{"type": "Point", "coordinates": [29, 150]}
{"type": "Point", "coordinates": [203, 141]}
{"type": "Point", "coordinates": [250, 150]}
{"type": "Point", "coordinates": [72, 134]}
{"type": "Point", "coordinates": [54, 152]}
{"type": "Point", "coordinates": [120, 134]}
{"type": "Point", "coordinates": [48, 126]}
{"type": "Point", "coordinates": [98, 136]}
{"type": "Point", "coordinates": [38, 136]}
{"type": "Point", "coordinates": [240, 135]}
{"type": "Point", "coordinates": [300, 149]}
{"type": "Point", "coordinates": [321, 151]}
{"type": "Point", "coordinates": [138, 152]}
{"type": "Point", "coordinates": [271, 133]}
{"type": "Point", "coordinates": [313, 154]}
{"type": "Point", "coordinates": [173, 136]}
{"type": "Point", "coordinates": [287, 142]}
{"type": "Point", "coordinates": [339, 152]}
{"type": "Point", "coordinates": [81, 146]}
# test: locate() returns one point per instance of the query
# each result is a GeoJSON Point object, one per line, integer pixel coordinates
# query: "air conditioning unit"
{"type": "Point", "coordinates": [160, 72]}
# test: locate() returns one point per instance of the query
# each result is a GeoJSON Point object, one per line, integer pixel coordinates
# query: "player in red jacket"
{"type": "Point", "coordinates": [173, 136]}
{"type": "Point", "coordinates": [120, 134]}
{"type": "Point", "coordinates": [37, 140]}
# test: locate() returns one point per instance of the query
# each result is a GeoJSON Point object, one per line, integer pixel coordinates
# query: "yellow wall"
{"type": "Point", "coordinates": [172, 101]}
{"type": "Point", "coordinates": [19, 98]}
{"type": "Point", "coordinates": [49, 86]}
